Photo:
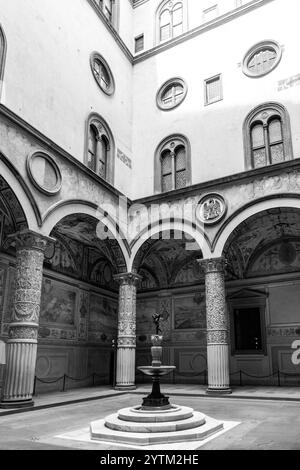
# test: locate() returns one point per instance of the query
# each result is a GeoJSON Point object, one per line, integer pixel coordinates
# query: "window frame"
{"type": "Point", "coordinates": [265, 113]}
{"type": "Point", "coordinates": [255, 50]}
{"type": "Point", "coordinates": [170, 143]}
{"type": "Point", "coordinates": [112, 86]}
{"type": "Point", "coordinates": [171, 82]}
{"type": "Point", "coordinates": [103, 130]}
{"type": "Point", "coordinates": [167, 5]}
{"type": "Point", "coordinates": [206, 83]}
{"type": "Point", "coordinates": [248, 300]}
{"type": "Point", "coordinates": [136, 39]}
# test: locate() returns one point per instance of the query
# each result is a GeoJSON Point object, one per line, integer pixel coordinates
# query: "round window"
{"type": "Point", "coordinates": [102, 73]}
{"type": "Point", "coordinates": [171, 94]}
{"type": "Point", "coordinates": [261, 59]}
{"type": "Point", "coordinates": [44, 173]}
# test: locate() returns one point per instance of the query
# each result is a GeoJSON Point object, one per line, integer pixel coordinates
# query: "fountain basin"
{"type": "Point", "coordinates": [158, 371]}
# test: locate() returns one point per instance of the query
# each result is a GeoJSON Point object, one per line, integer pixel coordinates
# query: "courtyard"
{"type": "Point", "coordinates": [271, 422]}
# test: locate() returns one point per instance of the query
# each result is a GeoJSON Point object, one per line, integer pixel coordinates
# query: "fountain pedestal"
{"type": "Point", "coordinates": [156, 400]}
{"type": "Point", "coordinates": [156, 421]}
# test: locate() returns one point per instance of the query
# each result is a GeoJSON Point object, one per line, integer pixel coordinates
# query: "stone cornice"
{"type": "Point", "coordinates": [227, 17]}
{"type": "Point", "coordinates": [173, 42]}
{"type": "Point", "coordinates": [112, 30]}
{"type": "Point", "coordinates": [45, 141]}
{"type": "Point", "coordinates": [212, 185]}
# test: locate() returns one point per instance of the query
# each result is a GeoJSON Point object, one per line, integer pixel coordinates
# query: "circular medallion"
{"type": "Point", "coordinates": [211, 209]}
{"type": "Point", "coordinates": [44, 173]}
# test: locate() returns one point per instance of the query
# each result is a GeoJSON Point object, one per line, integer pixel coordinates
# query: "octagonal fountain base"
{"type": "Point", "coordinates": [136, 426]}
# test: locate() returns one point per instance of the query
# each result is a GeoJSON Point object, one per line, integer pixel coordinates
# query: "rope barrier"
{"type": "Point", "coordinates": [175, 374]}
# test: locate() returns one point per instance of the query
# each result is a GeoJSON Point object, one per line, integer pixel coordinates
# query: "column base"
{"type": "Point", "coordinates": [217, 391]}
{"type": "Point", "coordinates": [125, 387]}
{"type": "Point", "coordinates": [16, 404]}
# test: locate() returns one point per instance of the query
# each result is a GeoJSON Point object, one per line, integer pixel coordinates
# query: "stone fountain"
{"type": "Point", "coordinates": [156, 421]}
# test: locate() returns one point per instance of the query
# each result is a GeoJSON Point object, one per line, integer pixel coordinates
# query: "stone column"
{"type": "Point", "coordinates": [217, 326]}
{"type": "Point", "coordinates": [23, 331]}
{"type": "Point", "coordinates": [126, 331]}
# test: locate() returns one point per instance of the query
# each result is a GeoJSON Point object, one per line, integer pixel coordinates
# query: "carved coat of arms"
{"type": "Point", "coordinates": [211, 209]}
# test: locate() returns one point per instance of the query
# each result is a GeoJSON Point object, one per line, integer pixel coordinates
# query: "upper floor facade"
{"type": "Point", "coordinates": [156, 96]}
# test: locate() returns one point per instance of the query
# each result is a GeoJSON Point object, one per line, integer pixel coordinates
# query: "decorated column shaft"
{"type": "Point", "coordinates": [126, 331]}
{"type": "Point", "coordinates": [217, 326]}
{"type": "Point", "coordinates": [23, 328]}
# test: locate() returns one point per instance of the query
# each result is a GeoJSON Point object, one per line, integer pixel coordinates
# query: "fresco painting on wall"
{"type": "Point", "coordinates": [58, 304]}
{"type": "Point", "coordinates": [103, 315]}
{"type": "Point", "coordinates": [189, 312]}
{"type": "Point", "coordinates": [145, 309]}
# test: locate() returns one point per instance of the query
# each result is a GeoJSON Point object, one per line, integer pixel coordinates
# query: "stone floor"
{"type": "Point", "coordinates": [271, 422]}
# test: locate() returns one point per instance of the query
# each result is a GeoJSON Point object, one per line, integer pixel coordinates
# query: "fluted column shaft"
{"type": "Point", "coordinates": [125, 379]}
{"type": "Point", "coordinates": [217, 326]}
{"type": "Point", "coordinates": [23, 330]}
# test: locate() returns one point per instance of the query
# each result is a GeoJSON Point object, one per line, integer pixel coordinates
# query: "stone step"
{"type": "Point", "coordinates": [113, 422]}
{"type": "Point", "coordinates": [177, 413]}
{"type": "Point", "coordinates": [100, 432]}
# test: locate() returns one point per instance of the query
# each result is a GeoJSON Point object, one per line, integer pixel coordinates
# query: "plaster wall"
{"type": "Point", "coordinates": [146, 13]}
{"type": "Point", "coordinates": [48, 79]}
{"type": "Point", "coordinates": [214, 131]}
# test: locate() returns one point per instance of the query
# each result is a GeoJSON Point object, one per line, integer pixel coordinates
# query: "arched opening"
{"type": "Point", "coordinates": [172, 164]}
{"type": "Point", "coordinates": [100, 148]}
{"type": "Point", "coordinates": [171, 20]}
{"type": "Point", "coordinates": [79, 304]}
{"type": "Point", "coordinates": [173, 286]}
{"type": "Point", "coordinates": [263, 294]}
{"type": "Point", "coordinates": [12, 220]}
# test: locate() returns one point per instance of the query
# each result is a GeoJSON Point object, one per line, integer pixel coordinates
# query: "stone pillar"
{"type": "Point", "coordinates": [23, 330]}
{"type": "Point", "coordinates": [217, 326]}
{"type": "Point", "coordinates": [125, 379]}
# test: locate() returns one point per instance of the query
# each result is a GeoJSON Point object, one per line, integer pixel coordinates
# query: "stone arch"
{"type": "Point", "coordinates": [178, 226]}
{"type": "Point", "coordinates": [285, 201]}
{"type": "Point", "coordinates": [22, 193]}
{"type": "Point", "coordinates": [72, 207]}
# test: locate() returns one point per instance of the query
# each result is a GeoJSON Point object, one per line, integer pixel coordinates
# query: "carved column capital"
{"type": "Point", "coordinates": [213, 265]}
{"type": "Point", "coordinates": [27, 239]}
{"type": "Point", "coordinates": [128, 279]}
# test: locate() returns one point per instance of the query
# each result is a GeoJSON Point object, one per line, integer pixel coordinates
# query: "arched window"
{"type": "Point", "coordinates": [172, 164]}
{"type": "Point", "coordinates": [110, 9]}
{"type": "Point", "coordinates": [267, 136]}
{"type": "Point", "coordinates": [100, 148]}
{"type": "Point", "coordinates": [2, 56]}
{"type": "Point", "coordinates": [171, 20]}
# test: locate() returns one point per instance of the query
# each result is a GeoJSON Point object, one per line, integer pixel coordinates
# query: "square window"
{"type": "Point", "coordinates": [213, 90]}
{"type": "Point", "coordinates": [139, 43]}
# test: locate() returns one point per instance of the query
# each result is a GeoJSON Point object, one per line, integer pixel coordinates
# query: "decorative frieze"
{"type": "Point", "coordinates": [284, 331]}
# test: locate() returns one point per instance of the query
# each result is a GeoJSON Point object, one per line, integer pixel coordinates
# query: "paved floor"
{"type": "Point", "coordinates": [90, 394]}
{"type": "Point", "coordinates": [265, 424]}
